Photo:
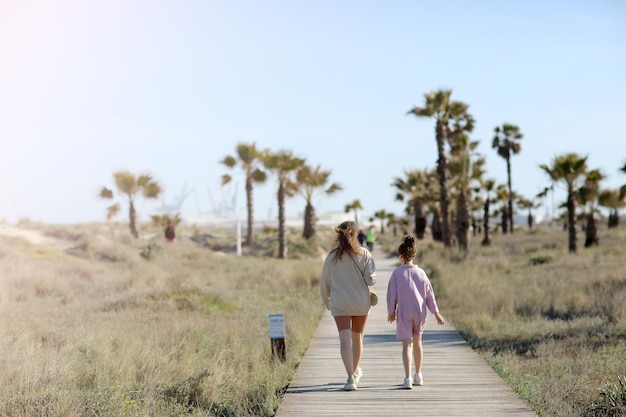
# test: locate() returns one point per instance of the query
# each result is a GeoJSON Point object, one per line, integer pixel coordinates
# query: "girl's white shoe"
{"type": "Point", "coordinates": [417, 379]}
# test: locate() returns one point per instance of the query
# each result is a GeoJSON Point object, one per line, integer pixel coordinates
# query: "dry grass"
{"type": "Point", "coordinates": [551, 323]}
{"type": "Point", "coordinates": [97, 323]}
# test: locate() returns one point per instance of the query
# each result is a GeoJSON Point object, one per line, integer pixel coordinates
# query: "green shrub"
{"type": "Point", "coordinates": [611, 401]}
{"type": "Point", "coordinates": [540, 259]}
{"type": "Point", "coordinates": [150, 251]}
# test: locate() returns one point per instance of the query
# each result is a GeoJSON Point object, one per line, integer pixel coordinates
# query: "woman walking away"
{"type": "Point", "coordinates": [409, 295]}
{"type": "Point", "coordinates": [348, 272]}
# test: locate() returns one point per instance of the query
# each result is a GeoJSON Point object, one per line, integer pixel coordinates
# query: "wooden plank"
{"type": "Point", "coordinates": [457, 381]}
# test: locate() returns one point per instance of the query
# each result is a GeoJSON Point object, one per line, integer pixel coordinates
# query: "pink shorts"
{"type": "Point", "coordinates": [407, 328]}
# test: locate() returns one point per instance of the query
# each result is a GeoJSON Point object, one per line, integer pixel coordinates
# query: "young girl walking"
{"type": "Point", "coordinates": [409, 296]}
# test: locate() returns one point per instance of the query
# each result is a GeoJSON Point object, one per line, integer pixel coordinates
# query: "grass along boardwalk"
{"type": "Point", "coordinates": [457, 381]}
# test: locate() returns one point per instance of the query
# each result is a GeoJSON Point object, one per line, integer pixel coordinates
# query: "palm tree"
{"type": "Point", "coordinates": [355, 206]}
{"type": "Point", "coordinates": [310, 181]}
{"type": "Point", "coordinates": [439, 107]}
{"type": "Point", "coordinates": [476, 206]}
{"type": "Point", "coordinates": [167, 223]}
{"type": "Point", "coordinates": [381, 215]}
{"type": "Point", "coordinates": [250, 160]}
{"type": "Point", "coordinates": [502, 195]}
{"type": "Point", "coordinates": [489, 186]}
{"type": "Point", "coordinates": [465, 167]}
{"type": "Point", "coordinates": [529, 205]}
{"type": "Point", "coordinates": [418, 187]}
{"type": "Point", "coordinates": [393, 222]}
{"type": "Point", "coordinates": [588, 196]}
{"type": "Point", "coordinates": [569, 169]}
{"type": "Point", "coordinates": [284, 165]}
{"type": "Point", "coordinates": [613, 200]}
{"type": "Point", "coordinates": [129, 185]}
{"type": "Point", "coordinates": [506, 143]}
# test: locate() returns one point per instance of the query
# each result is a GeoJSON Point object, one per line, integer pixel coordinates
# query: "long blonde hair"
{"type": "Point", "coordinates": [346, 239]}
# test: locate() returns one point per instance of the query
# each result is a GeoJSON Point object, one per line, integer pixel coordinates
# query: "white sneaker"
{"type": "Point", "coordinates": [408, 383]}
{"type": "Point", "coordinates": [350, 385]}
{"type": "Point", "coordinates": [417, 379]}
{"type": "Point", "coordinates": [358, 374]}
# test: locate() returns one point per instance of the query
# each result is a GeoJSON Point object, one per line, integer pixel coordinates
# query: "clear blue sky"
{"type": "Point", "coordinates": [170, 88]}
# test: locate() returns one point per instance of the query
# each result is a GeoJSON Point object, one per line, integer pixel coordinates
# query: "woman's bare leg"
{"type": "Point", "coordinates": [345, 341]}
{"type": "Point", "coordinates": [344, 326]}
{"type": "Point", "coordinates": [358, 330]}
{"type": "Point", "coordinates": [357, 349]}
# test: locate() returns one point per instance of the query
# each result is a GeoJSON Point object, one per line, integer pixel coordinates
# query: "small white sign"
{"type": "Point", "coordinates": [277, 326]}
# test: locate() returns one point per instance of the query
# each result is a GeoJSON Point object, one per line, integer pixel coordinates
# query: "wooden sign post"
{"type": "Point", "coordinates": [277, 335]}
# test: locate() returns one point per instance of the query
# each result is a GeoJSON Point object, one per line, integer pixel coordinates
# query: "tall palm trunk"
{"type": "Point", "coordinates": [250, 208]}
{"type": "Point", "coordinates": [435, 226]}
{"type": "Point", "coordinates": [486, 239]}
{"type": "Point", "coordinates": [463, 224]}
{"type": "Point", "coordinates": [442, 173]}
{"type": "Point", "coordinates": [571, 220]}
{"type": "Point", "coordinates": [505, 219]}
{"type": "Point", "coordinates": [508, 171]}
{"type": "Point", "coordinates": [132, 215]}
{"type": "Point", "coordinates": [282, 233]}
{"type": "Point", "coordinates": [613, 219]}
{"type": "Point", "coordinates": [309, 221]}
{"type": "Point", "coordinates": [591, 231]}
{"type": "Point", "coordinates": [420, 219]}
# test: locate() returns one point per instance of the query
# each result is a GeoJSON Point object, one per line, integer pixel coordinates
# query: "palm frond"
{"type": "Point", "coordinates": [226, 179]}
{"type": "Point", "coordinates": [334, 187]}
{"type": "Point", "coordinates": [421, 112]}
{"type": "Point", "coordinates": [113, 210]}
{"type": "Point", "coordinates": [258, 176]}
{"type": "Point", "coordinates": [143, 180]}
{"type": "Point", "coordinates": [151, 190]}
{"type": "Point", "coordinates": [229, 161]}
{"type": "Point", "coordinates": [125, 182]}
{"type": "Point", "coordinates": [105, 193]}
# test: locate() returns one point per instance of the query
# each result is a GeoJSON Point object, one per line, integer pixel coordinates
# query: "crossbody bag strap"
{"type": "Point", "coordinates": [358, 269]}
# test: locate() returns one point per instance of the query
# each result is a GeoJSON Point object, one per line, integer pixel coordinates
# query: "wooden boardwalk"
{"type": "Point", "coordinates": [457, 381]}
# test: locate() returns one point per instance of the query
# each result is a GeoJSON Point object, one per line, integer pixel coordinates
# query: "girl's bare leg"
{"type": "Point", "coordinates": [418, 353]}
{"type": "Point", "coordinates": [407, 352]}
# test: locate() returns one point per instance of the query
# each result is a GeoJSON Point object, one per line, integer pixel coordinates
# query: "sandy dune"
{"type": "Point", "coordinates": [33, 235]}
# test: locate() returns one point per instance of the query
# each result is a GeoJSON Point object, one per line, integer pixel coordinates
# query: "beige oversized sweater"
{"type": "Point", "coordinates": [342, 287]}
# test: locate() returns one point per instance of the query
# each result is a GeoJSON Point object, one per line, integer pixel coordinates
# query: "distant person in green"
{"type": "Point", "coordinates": [370, 238]}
